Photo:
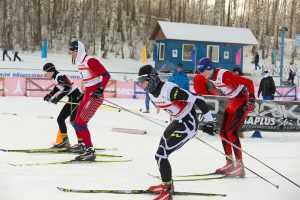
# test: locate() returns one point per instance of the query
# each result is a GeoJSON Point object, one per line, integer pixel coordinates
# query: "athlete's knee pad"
{"type": "Point", "coordinates": [79, 127]}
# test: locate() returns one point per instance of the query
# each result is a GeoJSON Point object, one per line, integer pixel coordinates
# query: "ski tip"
{"type": "Point", "coordinates": [12, 164]}
{"type": "Point", "coordinates": [62, 189]}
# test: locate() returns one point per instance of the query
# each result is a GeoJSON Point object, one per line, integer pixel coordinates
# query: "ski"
{"type": "Point", "coordinates": [186, 177]}
{"type": "Point", "coordinates": [55, 151]}
{"type": "Point", "coordinates": [192, 175]}
{"type": "Point", "coordinates": [137, 192]}
{"type": "Point", "coordinates": [189, 175]}
{"type": "Point", "coordinates": [50, 150]}
{"type": "Point", "coordinates": [70, 162]}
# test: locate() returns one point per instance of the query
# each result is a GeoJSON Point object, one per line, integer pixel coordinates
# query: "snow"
{"type": "Point", "coordinates": [31, 128]}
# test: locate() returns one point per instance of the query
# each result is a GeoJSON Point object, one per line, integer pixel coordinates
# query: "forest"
{"type": "Point", "coordinates": [124, 26]}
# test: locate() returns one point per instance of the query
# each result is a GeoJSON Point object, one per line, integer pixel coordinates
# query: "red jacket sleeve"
{"type": "Point", "coordinates": [200, 85]}
{"type": "Point", "coordinates": [100, 70]}
{"type": "Point", "coordinates": [232, 79]}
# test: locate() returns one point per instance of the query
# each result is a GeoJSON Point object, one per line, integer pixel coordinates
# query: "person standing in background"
{"type": "Point", "coordinates": [16, 52]}
{"type": "Point", "coordinates": [274, 57]}
{"type": "Point", "coordinates": [267, 87]}
{"type": "Point", "coordinates": [5, 50]}
{"type": "Point", "coordinates": [256, 61]}
{"type": "Point", "coordinates": [180, 78]}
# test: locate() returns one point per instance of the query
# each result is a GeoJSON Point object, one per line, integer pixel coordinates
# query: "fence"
{"type": "Point", "coordinates": [274, 71]}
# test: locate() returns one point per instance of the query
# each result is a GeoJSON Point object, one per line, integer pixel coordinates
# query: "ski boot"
{"type": "Point", "coordinates": [165, 190]}
{"type": "Point", "coordinates": [77, 148]}
{"type": "Point", "coordinates": [238, 170]}
{"type": "Point", "coordinates": [64, 144]}
{"type": "Point", "coordinates": [228, 167]}
{"type": "Point", "coordinates": [88, 155]}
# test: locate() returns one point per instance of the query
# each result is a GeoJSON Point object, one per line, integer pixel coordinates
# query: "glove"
{"type": "Point", "coordinates": [80, 97]}
{"type": "Point", "coordinates": [208, 128]}
{"type": "Point", "coordinates": [97, 93]}
{"type": "Point", "coordinates": [47, 97]}
{"type": "Point", "coordinates": [250, 105]}
{"type": "Point", "coordinates": [54, 100]}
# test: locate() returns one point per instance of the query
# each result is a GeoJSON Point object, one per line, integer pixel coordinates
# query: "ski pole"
{"type": "Point", "coordinates": [111, 108]}
{"type": "Point", "coordinates": [222, 138]}
{"type": "Point", "coordinates": [137, 114]}
{"type": "Point", "coordinates": [125, 109]}
{"type": "Point", "coordinates": [277, 186]}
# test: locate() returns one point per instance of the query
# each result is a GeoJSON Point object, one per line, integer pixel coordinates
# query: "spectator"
{"type": "Point", "coordinates": [274, 57]}
{"type": "Point", "coordinates": [16, 51]}
{"type": "Point", "coordinates": [5, 50]}
{"type": "Point", "coordinates": [267, 87]}
{"type": "Point", "coordinates": [256, 61]}
{"type": "Point", "coordinates": [291, 77]}
{"type": "Point", "coordinates": [180, 78]}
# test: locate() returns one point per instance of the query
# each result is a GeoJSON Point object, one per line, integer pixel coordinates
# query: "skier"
{"type": "Point", "coordinates": [92, 71]}
{"type": "Point", "coordinates": [211, 80]}
{"type": "Point", "coordinates": [67, 88]}
{"type": "Point", "coordinates": [179, 103]}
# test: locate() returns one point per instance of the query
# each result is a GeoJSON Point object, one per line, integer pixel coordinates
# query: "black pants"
{"type": "Point", "coordinates": [16, 56]}
{"type": "Point", "coordinates": [5, 54]}
{"type": "Point", "coordinates": [174, 137]}
{"type": "Point", "coordinates": [68, 110]}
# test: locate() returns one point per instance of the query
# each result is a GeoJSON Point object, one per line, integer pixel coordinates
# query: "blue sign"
{"type": "Point", "coordinates": [297, 40]}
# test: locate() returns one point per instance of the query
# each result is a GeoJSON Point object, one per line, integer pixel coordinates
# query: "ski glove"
{"type": "Point", "coordinates": [208, 128]}
{"type": "Point", "coordinates": [97, 93]}
{"type": "Point", "coordinates": [54, 100]}
{"type": "Point", "coordinates": [250, 105]}
{"type": "Point", "coordinates": [47, 97]}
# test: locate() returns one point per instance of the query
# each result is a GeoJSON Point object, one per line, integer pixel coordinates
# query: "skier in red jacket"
{"type": "Point", "coordinates": [92, 71]}
{"type": "Point", "coordinates": [218, 81]}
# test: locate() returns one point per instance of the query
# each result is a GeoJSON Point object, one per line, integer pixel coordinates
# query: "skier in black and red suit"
{"type": "Point", "coordinates": [95, 78]}
{"type": "Point", "coordinates": [65, 87]}
{"type": "Point", "coordinates": [216, 81]}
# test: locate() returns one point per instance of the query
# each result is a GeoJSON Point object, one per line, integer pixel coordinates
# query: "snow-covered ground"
{"type": "Point", "coordinates": [32, 128]}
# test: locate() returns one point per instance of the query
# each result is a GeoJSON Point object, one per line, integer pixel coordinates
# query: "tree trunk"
{"type": "Point", "coordinates": [109, 35]}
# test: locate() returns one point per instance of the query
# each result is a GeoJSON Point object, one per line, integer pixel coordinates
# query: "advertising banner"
{"type": "Point", "coordinates": [273, 116]}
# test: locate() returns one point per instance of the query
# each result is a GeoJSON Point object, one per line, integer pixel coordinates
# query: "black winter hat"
{"type": "Point", "coordinates": [237, 69]}
{"type": "Point", "coordinates": [146, 69]}
{"type": "Point", "coordinates": [49, 67]}
{"type": "Point", "coordinates": [73, 46]}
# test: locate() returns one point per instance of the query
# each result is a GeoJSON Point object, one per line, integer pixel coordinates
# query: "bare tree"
{"type": "Point", "coordinates": [109, 35]}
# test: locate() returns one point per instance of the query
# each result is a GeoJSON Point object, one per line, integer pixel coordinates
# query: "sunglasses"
{"type": "Point", "coordinates": [142, 79]}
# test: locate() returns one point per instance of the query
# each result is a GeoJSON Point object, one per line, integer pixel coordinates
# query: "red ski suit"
{"type": "Point", "coordinates": [235, 113]}
{"type": "Point", "coordinates": [92, 71]}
